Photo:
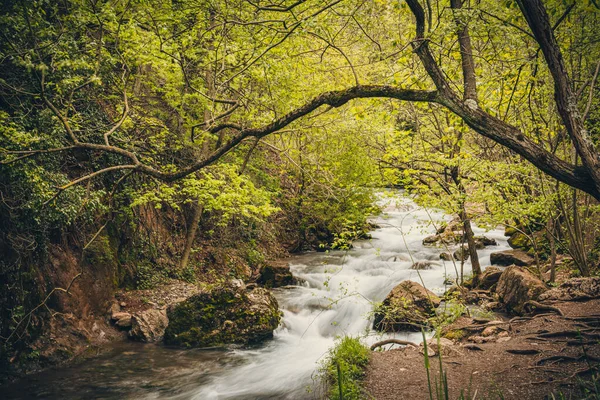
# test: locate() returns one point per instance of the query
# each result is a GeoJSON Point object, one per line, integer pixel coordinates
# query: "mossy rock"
{"type": "Point", "coordinates": [276, 274]}
{"type": "Point", "coordinates": [454, 334]}
{"type": "Point", "coordinates": [223, 315]}
{"type": "Point", "coordinates": [407, 307]}
{"type": "Point", "coordinates": [519, 240]}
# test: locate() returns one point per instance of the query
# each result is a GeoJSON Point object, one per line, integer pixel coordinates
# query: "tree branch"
{"type": "Point", "coordinates": [539, 23]}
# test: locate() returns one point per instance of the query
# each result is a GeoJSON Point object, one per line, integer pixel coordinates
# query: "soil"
{"type": "Point", "coordinates": [556, 354]}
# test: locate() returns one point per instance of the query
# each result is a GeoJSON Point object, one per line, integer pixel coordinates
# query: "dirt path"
{"type": "Point", "coordinates": [527, 358]}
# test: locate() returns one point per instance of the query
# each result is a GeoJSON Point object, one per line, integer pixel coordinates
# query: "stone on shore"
{"type": "Point", "coordinates": [517, 286]}
{"type": "Point", "coordinates": [223, 315]}
{"type": "Point", "coordinates": [407, 307]}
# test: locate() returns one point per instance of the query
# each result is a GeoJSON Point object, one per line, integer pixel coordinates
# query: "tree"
{"type": "Point", "coordinates": [585, 177]}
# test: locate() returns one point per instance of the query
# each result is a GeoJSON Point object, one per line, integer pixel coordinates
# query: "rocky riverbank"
{"type": "Point", "coordinates": [534, 341]}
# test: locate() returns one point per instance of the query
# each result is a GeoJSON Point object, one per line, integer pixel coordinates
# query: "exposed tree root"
{"type": "Point", "coordinates": [571, 333]}
{"type": "Point", "coordinates": [579, 372]}
{"type": "Point", "coordinates": [480, 327]}
{"type": "Point", "coordinates": [523, 351]}
{"type": "Point", "coordinates": [531, 305]}
{"type": "Point", "coordinates": [393, 341]}
{"type": "Point", "coordinates": [563, 358]}
{"type": "Point", "coordinates": [472, 347]}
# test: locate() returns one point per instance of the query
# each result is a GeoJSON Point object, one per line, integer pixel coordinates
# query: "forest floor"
{"type": "Point", "coordinates": [537, 356]}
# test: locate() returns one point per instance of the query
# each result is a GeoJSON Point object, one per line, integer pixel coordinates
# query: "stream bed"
{"type": "Point", "coordinates": [336, 299]}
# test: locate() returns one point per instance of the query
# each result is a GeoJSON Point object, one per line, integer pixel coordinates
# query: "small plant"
{"type": "Point", "coordinates": [482, 313]}
{"type": "Point", "coordinates": [344, 368]}
{"type": "Point", "coordinates": [451, 311]}
{"type": "Point", "coordinates": [438, 389]}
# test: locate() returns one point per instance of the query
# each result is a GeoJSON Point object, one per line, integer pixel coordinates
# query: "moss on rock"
{"type": "Point", "coordinates": [407, 307]}
{"type": "Point", "coordinates": [519, 240]}
{"type": "Point", "coordinates": [223, 315]}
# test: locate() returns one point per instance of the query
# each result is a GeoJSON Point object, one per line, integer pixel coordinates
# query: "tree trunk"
{"type": "Point", "coordinates": [191, 235]}
{"type": "Point", "coordinates": [550, 236]}
{"type": "Point", "coordinates": [470, 237]}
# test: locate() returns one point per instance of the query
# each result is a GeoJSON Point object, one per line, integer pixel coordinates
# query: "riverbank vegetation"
{"type": "Point", "coordinates": [145, 142]}
{"type": "Point", "coordinates": [344, 368]}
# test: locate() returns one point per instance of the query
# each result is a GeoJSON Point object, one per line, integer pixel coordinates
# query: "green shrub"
{"type": "Point", "coordinates": [344, 368]}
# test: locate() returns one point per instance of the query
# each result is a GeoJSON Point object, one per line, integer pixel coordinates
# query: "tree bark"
{"type": "Point", "coordinates": [539, 23]}
{"type": "Point", "coordinates": [191, 235]}
{"type": "Point", "coordinates": [470, 236]}
{"type": "Point", "coordinates": [466, 54]}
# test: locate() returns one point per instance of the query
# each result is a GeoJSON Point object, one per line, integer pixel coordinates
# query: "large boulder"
{"type": "Point", "coordinates": [511, 257]}
{"type": "Point", "coordinates": [489, 278]}
{"type": "Point", "coordinates": [574, 289]}
{"type": "Point", "coordinates": [223, 315]}
{"type": "Point", "coordinates": [407, 307]}
{"type": "Point", "coordinates": [148, 326]}
{"type": "Point", "coordinates": [517, 286]}
{"type": "Point", "coordinates": [519, 240]}
{"type": "Point", "coordinates": [276, 274]}
{"type": "Point", "coordinates": [462, 253]}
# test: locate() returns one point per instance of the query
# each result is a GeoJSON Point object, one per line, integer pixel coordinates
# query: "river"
{"type": "Point", "coordinates": [337, 297]}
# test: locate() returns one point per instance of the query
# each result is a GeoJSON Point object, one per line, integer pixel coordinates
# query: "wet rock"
{"type": "Point", "coordinates": [450, 233]}
{"type": "Point", "coordinates": [148, 326]}
{"type": "Point", "coordinates": [462, 253]}
{"type": "Point", "coordinates": [517, 286]}
{"type": "Point", "coordinates": [421, 265]}
{"type": "Point", "coordinates": [432, 239]}
{"type": "Point", "coordinates": [406, 307]}
{"type": "Point", "coordinates": [276, 274]}
{"type": "Point", "coordinates": [483, 241]}
{"type": "Point", "coordinates": [511, 257]}
{"type": "Point", "coordinates": [446, 256]}
{"type": "Point", "coordinates": [223, 315]}
{"type": "Point", "coordinates": [574, 289]}
{"type": "Point", "coordinates": [489, 278]}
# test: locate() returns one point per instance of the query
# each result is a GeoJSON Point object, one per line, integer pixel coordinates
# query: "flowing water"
{"type": "Point", "coordinates": [339, 290]}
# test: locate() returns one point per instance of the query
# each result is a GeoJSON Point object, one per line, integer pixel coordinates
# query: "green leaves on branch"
{"type": "Point", "coordinates": [220, 190]}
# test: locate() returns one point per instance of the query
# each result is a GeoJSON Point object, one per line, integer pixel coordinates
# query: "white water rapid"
{"type": "Point", "coordinates": [337, 299]}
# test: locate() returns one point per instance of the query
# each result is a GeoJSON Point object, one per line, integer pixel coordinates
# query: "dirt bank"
{"type": "Point", "coordinates": [538, 355]}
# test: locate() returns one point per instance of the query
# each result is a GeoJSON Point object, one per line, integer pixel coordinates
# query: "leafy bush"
{"type": "Point", "coordinates": [344, 368]}
{"type": "Point", "coordinates": [450, 312]}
